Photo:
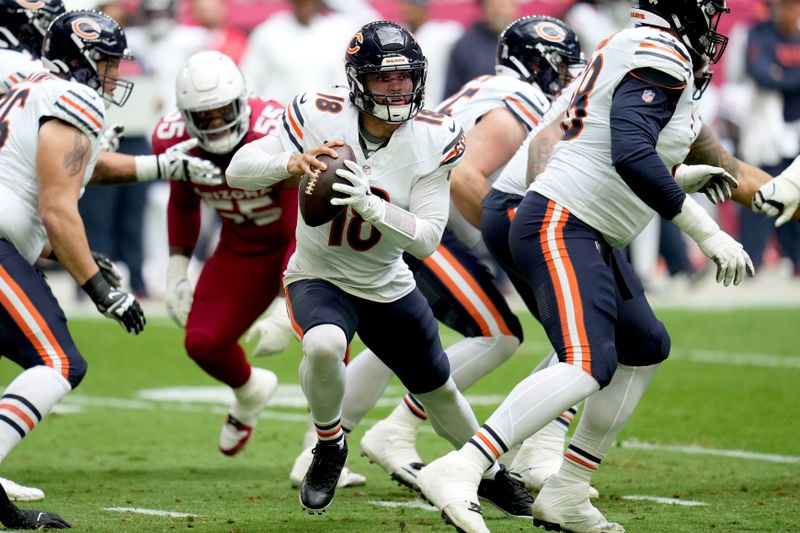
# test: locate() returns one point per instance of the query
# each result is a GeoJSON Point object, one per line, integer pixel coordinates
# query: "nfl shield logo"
{"type": "Point", "coordinates": [648, 96]}
{"type": "Point", "coordinates": [367, 170]}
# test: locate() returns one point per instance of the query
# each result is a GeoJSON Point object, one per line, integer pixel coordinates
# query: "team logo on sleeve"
{"type": "Point", "coordinates": [550, 32]}
{"type": "Point", "coordinates": [86, 28]}
{"type": "Point", "coordinates": [355, 45]}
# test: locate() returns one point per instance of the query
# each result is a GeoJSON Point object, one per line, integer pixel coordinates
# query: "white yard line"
{"type": "Point", "coordinates": [152, 512]}
{"type": "Point", "coordinates": [699, 450]}
{"type": "Point", "coordinates": [416, 504]}
{"type": "Point", "coordinates": [666, 501]}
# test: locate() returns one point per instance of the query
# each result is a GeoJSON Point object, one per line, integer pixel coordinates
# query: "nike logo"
{"type": "Point", "coordinates": [453, 127]}
{"type": "Point", "coordinates": [475, 508]}
{"type": "Point", "coordinates": [303, 98]}
{"type": "Point", "coordinates": [39, 517]}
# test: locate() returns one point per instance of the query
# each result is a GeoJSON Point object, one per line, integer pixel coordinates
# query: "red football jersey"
{"type": "Point", "coordinates": [252, 221]}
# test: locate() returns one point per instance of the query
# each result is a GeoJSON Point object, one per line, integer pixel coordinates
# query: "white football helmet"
{"type": "Point", "coordinates": [212, 97]}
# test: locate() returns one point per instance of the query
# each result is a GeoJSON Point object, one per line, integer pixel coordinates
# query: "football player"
{"type": "Point", "coordinates": [536, 57]}
{"type": "Point", "coordinates": [243, 274]}
{"type": "Point", "coordinates": [629, 122]}
{"type": "Point", "coordinates": [347, 276]}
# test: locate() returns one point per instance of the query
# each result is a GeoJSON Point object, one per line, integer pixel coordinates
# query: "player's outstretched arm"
{"type": "Point", "coordinates": [492, 143]}
{"type": "Point", "coordinates": [708, 150]}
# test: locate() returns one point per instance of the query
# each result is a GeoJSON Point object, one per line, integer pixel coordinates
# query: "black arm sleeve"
{"type": "Point", "coordinates": [637, 118]}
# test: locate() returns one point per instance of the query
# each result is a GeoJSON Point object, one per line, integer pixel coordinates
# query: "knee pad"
{"type": "Point", "coordinates": [326, 343]}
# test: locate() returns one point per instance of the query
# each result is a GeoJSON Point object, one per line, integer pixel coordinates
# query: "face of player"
{"type": "Point", "coordinates": [391, 88]}
{"type": "Point", "coordinates": [215, 119]}
{"type": "Point", "coordinates": [108, 69]}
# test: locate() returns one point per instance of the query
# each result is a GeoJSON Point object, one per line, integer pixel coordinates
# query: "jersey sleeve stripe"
{"type": "Point", "coordinates": [540, 111]}
{"type": "Point", "coordinates": [670, 51]}
{"type": "Point", "coordinates": [331, 97]}
{"type": "Point", "coordinates": [522, 113]}
{"type": "Point", "coordinates": [97, 123]}
{"type": "Point", "coordinates": [668, 44]}
{"type": "Point", "coordinates": [456, 150]}
{"type": "Point", "coordinates": [520, 118]}
{"type": "Point", "coordinates": [664, 57]}
{"type": "Point", "coordinates": [297, 131]}
{"type": "Point", "coordinates": [289, 134]}
{"type": "Point", "coordinates": [297, 112]}
{"type": "Point", "coordinates": [453, 142]}
{"type": "Point", "coordinates": [79, 120]}
{"type": "Point", "coordinates": [87, 103]}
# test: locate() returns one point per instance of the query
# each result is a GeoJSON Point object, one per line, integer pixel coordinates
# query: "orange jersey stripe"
{"type": "Point", "coordinates": [20, 413]}
{"type": "Point", "coordinates": [488, 443]}
{"type": "Point", "coordinates": [560, 302]}
{"type": "Point", "coordinates": [296, 129]}
{"type": "Point", "coordinates": [39, 322]}
{"type": "Point", "coordinates": [524, 110]}
{"type": "Point", "coordinates": [460, 296]}
{"type": "Point", "coordinates": [504, 329]}
{"type": "Point", "coordinates": [666, 51]}
{"type": "Point", "coordinates": [82, 111]}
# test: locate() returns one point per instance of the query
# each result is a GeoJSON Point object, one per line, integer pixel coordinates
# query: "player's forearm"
{"type": "Point", "coordinates": [418, 236]}
{"type": "Point", "coordinates": [258, 165]}
{"type": "Point", "coordinates": [541, 148]}
{"type": "Point", "coordinates": [68, 241]}
{"type": "Point", "coordinates": [468, 188]}
{"type": "Point", "coordinates": [113, 169]}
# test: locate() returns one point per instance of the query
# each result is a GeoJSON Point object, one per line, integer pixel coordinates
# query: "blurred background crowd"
{"type": "Point", "coordinates": [288, 46]}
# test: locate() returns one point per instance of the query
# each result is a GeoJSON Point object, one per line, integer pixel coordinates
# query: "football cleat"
{"type": "Point", "coordinates": [241, 420]}
{"type": "Point", "coordinates": [507, 494]}
{"type": "Point", "coordinates": [319, 483]}
{"type": "Point", "coordinates": [33, 519]}
{"type": "Point", "coordinates": [393, 447]}
{"type": "Point", "coordinates": [451, 485]}
{"type": "Point", "coordinates": [565, 506]}
{"type": "Point", "coordinates": [303, 461]}
{"type": "Point", "coordinates": [21, 493]}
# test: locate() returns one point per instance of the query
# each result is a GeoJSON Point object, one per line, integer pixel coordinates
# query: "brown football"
{"type": "Point", "coordinates": [316, 191]}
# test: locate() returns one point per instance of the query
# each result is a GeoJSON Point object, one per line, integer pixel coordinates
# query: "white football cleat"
{"type": "Point", "coordinates": [393, 447]}
{"type": "Point", "coordinates": [21, 493]}
{"type": "Point", "coordinates": [451, 485]}
{"type": "Point", "coordinates": [348, 478]}
{"type": "Point", "coordinates": [242, 417]}
{"type": "Point", "coordinates": [565, 506]}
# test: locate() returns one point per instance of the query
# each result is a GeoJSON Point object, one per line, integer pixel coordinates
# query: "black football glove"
{"type": "Point", "coordinates": [115, 304]}
{"type": "Point", "coordinates": [112, 275]}
{"type": "Point", "coordinates": [33, 519]}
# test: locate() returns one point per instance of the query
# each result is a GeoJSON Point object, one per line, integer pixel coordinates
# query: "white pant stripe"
{"type": "Point", "coordinates": [30, 326]}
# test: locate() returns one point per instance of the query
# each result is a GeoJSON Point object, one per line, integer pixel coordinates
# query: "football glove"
{"type": "Point", "coordinates": [177, 165]}
{"type": "Point", "coordinates": [34, 519]}
{"type": "Point", "coordinates": [729, 256]}
{"type": "Point", "coordinates": [179, 295]}
{"type": "Point", "coordinates": [273, 332]}
{"type": "Point", "coordinates": [115, 304]}
{"type": "Point", "coordinates": [358, 197]}
{"type": "Point", "coordinates": [109, 271]}
{"type": "Point", "coordinates": [714, 182]}
{"type": "Point", "coordinates": [111, 137]}
{"type": "Point", "coordinates": [778, 198]}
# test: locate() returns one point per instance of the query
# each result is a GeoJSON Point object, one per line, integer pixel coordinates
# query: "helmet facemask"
{"type": "Point", "coordinates": [391, 107]}
{"type": "Point", "coordinates": [219, 129]}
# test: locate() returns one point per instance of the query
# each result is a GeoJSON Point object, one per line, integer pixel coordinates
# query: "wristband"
{"type": "Point", "coordinates": [97, 287]}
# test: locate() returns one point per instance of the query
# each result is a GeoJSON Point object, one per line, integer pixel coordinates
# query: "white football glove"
{"type": "Point", "coordinates": [176, 164]}
{"type": "Point", "coordinates": [179, 295]}
{"type": "Point", "coordinates": [778, 198]}
{"type": "Point", "coordinates": [714, 182]}
{"type": "Point", "coordinates": [358, 194]}
{"type": "Point", "coordinates": [731, 259]}
{"type": "Point", "coordinates": [111, 137]}
{"type": "Point", "coordinates": [273, 332]}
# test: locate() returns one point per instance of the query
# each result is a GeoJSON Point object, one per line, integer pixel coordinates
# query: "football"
{"type": "Point", "coordinates": [316, 191]}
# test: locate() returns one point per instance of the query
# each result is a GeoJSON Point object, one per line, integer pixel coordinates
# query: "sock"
{"type": "Point", "coordinates": [604, 416]}
{"type": "Point", "coordinates": [474, 357]}
{"type": "Point", "coordinates": [538, 399]}
{"type": "Point", "coordinates": [330, 432]}
{"type": "Point", "coordinates": [26, 401]}
{"type": "Point", "coordinates": [367, 379]}
{"type": "Point", "coordinates": [322, 371]}
{"type": "Point", "coordinates": [412, 406]}
{"type": "Point", "coordinates": [449, 413]}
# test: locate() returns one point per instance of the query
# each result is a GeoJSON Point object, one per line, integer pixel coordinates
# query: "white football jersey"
{"type": "Point", "coordinates": [347, 251]}
{"type": "Point", "coordinates": [525, 101]}
{"type": "Point", "coordinates": [22, 110]}
{"type": "Point", "coordinates": [512, 178]}
{"type": "Point", "coordinates": [15, 66]}
{"type": "Point", "coordinates": [580, 175]}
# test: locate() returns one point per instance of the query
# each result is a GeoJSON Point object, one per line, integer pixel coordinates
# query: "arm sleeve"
{"type": "Point", "coordinates": [419, 230]}
{"type": "Point", "coordinates": [258, 164]}
{"type": "Point", "coordinates": [183, 217]}
{"type": "Point", "coordinates": [763, 66]}
{"type": "Point", "coordinates": [635, 127]}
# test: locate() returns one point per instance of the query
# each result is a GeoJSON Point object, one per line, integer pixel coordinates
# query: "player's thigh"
{"type": "Point", "coordinates": [233, 290]}
{"type": "Point", "coordinates": [405, 335]}
{"type": "Point", "coordinates": [315, 302]}
{"type": "Point", "coordinates": [641, 338]}
{"type": "Point", "coordinates": [569, 268]}
{"type": "Point", "coordinates": [33, 325]}
{"type": "Point", "coordinates": [461, 292]}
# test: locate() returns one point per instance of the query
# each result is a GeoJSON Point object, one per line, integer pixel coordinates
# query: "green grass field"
{"type": "Point", "coordinates": [731, 384]}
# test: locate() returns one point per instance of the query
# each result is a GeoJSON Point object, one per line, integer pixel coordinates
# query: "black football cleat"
{"type": "Point", "coordinates": [507, 494]}
{"type": "Point", "coordinates": [319, 483]}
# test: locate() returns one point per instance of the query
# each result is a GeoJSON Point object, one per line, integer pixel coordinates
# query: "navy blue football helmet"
{"type": "Point", "coordinates": [695, 22]}
{"type": "Point", "coordinates": [78, 41]}
{"type": "Point", "coordinates": [385, 47]}
{"type": "Point", "coordinates": [541, 50]}
{"type": "Point", "coordinates": [23, 23]}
